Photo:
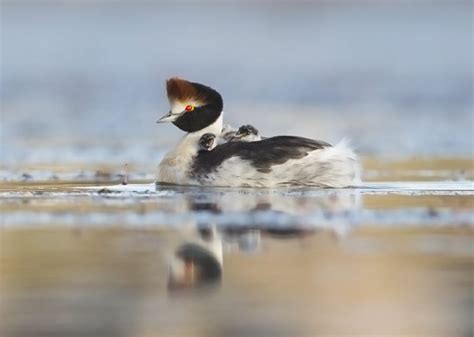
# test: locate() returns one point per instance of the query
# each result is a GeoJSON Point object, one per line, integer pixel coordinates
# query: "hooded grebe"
{"type": "Point", "coordinates": [270, 162]}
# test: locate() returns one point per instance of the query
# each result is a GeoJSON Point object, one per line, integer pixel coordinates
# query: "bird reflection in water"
{"type": "Point", "coordinates": [197, 261]}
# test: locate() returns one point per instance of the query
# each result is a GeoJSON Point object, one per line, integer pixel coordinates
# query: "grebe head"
{"type": "Point", "coordinates": [246, 133]}
{"type": "Point", "coordinates": [194, 266]}
{"type": "Point", "coordinates": [207, 142]}
{"type": "Point", "coordinates": [193, 106]}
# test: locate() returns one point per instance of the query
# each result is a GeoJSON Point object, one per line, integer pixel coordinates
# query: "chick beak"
{"type": "Point", "coordinates": [210, 143]}
{"type": "Point", "coordinates": [237, 136]}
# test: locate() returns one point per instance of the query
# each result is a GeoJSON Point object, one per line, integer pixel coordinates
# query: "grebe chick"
{"type": "Point", "coordinates": [246, 133]}
{"type": "Point", "coordinates": [207, 142]}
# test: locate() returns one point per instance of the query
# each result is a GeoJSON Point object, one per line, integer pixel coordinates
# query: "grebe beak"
{"type": "Point", "coordinates": [169, 117]}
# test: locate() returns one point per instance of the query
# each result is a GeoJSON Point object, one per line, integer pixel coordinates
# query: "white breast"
{"type": "Point", "coordinates": [175, 165]}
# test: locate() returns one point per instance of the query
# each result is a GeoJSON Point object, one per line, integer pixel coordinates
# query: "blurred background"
{"type": "Point", "coordinates": [83, 81]}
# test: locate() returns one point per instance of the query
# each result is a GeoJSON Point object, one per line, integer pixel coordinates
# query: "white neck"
{"type": "Point", "coordinates": [176, 163]}
{"type": "Point", "coordinates": [191, 140]}
{"type": "Point", "coordinates": [215, 128]}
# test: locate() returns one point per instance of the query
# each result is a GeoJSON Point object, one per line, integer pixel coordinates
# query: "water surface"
{"type": "Point", "coordinates": [387, 258]}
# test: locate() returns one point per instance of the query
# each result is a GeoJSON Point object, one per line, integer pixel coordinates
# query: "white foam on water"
{"type": "Point", "coordinates": [413, 188]}
{"type": "Point", "coordinates": [421, 187]}
{"type": "Point", "coordinates": [337, 209]}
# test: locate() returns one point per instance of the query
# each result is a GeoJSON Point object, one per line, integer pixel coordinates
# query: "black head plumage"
{"type": "Point", "coordinates": [208, 104]}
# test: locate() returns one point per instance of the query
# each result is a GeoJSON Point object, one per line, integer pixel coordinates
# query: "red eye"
{"type": "Point", "coordinates": [189, 108]}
